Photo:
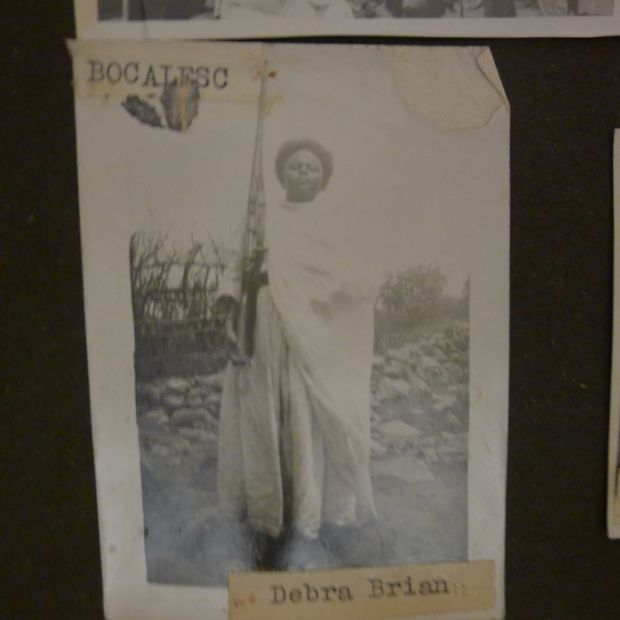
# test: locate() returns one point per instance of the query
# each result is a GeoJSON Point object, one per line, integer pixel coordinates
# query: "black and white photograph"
{"type": "Point", "coordinates": [239, 9]}
{"type": "Point", "coordinates": [253, 446]}
{"type": "Point", "coordinates": [153, 19]}
{"type": "Point", "coordinates": [298, 352]}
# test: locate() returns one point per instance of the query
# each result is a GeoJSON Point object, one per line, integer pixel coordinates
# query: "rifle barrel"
{"type": "Point", "coordinates": [253, 242]}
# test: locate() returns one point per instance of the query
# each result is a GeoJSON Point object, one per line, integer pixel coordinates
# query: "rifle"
{"type": "Point", "coordinates": [253, 250]}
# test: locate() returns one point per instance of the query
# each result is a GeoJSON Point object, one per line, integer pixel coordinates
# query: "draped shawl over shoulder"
{"type": "Point", "coordinates": [327, 310]}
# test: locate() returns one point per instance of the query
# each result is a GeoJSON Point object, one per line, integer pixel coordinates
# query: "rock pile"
{"type": "Point", "coordinates": [419, 401]}
{"type": "Point", "coordinates": [420, 397]}
{"type": "Point", "coordinates": [180, 415]}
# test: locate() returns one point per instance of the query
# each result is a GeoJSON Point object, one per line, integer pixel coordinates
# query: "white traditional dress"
{"type": "Point", "coordinates": [295, 420]}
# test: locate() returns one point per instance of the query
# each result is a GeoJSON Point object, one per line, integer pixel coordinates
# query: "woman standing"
{"type": "Point", "coordinates": [294, 446]}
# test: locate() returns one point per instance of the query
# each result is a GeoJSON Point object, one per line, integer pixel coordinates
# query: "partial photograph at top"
{"type": "Point", "coordinates": [146, 10]}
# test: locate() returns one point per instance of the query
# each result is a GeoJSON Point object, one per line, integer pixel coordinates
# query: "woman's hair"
{"type": "Point", "coordinates": [290, 147]}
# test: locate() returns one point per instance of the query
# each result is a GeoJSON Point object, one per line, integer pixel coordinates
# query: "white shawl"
{"type": "Point", "coordinates": [326, 306]}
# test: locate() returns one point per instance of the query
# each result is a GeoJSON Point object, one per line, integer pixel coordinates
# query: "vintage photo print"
{"type": "Point", "coordinates": [144, 10]}
{"type": "Point", "coordinates": [296, 288]}
{"type": "Point", "coordinates": [613, 495]}
{"type": "Point", "coordinates": [279, 18]}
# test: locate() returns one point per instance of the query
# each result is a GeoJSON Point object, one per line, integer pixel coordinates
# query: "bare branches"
{"type": "Point", "coordinates": [168, 285]}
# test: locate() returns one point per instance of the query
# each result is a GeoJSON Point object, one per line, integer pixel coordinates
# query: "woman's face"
{"type": "Point", "coordinates": [303, 176]}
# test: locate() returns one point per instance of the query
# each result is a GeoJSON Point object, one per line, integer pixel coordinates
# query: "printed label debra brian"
{"type": "Point", "coordinates": [363, 593]}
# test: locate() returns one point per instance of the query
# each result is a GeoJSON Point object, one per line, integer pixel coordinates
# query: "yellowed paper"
{"type": "Point", "coordinates": [462, 94]}
{"type": "Point", "coordinates": [220, 73]}
{"type": "Point", "coordinates": [413, 200]}
{"type": "Point", "coordinates": [364, 593]}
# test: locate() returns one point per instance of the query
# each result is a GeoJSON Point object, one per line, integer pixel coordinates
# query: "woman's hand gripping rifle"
{"type": "Point", "coordinates": [242, 326]}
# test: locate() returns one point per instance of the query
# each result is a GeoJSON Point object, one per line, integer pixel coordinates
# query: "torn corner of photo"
{"type": "Point", "coordinates": [332, 438]}
{"type": "Point", "coordinates": [464, 94]}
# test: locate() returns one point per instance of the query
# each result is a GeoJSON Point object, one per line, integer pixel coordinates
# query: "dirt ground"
{"type": "Point", "coordinates": [422, 521]}
{"type": "Point", "coordinates": [419, 449]}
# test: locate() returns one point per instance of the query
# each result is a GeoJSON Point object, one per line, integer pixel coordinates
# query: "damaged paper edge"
{"type": "Point", "coordinates": [445, 98]}
{"type": "Point", "coordinates": [487, 65]}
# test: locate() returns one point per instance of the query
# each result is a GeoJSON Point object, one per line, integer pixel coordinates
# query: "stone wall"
{"type": "Point", "coordinates": [419, 405]}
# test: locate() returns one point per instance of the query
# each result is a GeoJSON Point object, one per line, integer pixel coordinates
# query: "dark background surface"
{"type": "Point", "coordinates": [565, 101]}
